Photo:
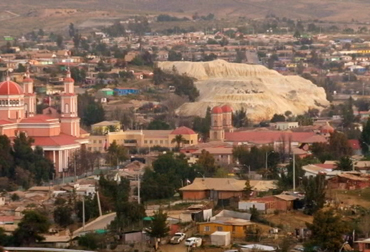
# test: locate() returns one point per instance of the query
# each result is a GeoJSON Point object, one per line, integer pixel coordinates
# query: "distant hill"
{"type": "Point", "coordinates": [328, 10]}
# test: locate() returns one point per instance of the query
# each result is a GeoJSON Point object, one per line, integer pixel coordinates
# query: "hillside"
{"type": "Point", "coordinates": [256, 89]}
{"type": "Point", "coordinates": [26, 14]}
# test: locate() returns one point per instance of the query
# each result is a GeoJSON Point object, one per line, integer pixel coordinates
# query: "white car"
{"type": "Point", "coordinates": [193, 242]}
{"type": "Point", "coordinates": [178, 238]}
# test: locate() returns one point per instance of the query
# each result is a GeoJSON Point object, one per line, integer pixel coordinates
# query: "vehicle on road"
{"type": "Point", "coordinates": [193, 242]}
{"type": "Point", "coordinates": [177, 238]}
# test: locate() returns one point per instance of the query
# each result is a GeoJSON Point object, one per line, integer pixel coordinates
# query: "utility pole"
{"type": "Point", "coordinates": [138, 189]}
{"type": "Point", "coordinates": [293, 172]}
{"type": "Point", "coordinates": [99, 205]}
{"type": "Point", "coordinates": [83, 212]}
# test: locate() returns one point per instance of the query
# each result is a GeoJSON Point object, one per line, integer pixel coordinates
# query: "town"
{"type": "Point", "coordinates": [140, 136]}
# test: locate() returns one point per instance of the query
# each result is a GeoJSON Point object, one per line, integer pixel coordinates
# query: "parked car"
{"type": "Point", "coordinates": [193, 242]}
{"type": "Point", "coordinates": [177, 238]}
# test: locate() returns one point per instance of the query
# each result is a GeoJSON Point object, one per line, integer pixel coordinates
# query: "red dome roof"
{"type": "Point", "coordinates": [216, 110]}
{"type": "Point", "coordinates": [69, 79]}
{"type": "Point", "coordinates": [183, 131]}
{"type": "Point", "coordinates": [10, 88]}
{"type": "Point", "coordinates": [25, 80]}
{"type": "Point", "coordinates": [226, 108]}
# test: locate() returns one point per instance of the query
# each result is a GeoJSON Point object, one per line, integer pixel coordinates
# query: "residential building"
{"type": "Point", "coordinates": [221, 188]}
{"type": "Point", "coordinates": [226, 221]}
{"type": "Point", "coordinates": [143, 138]}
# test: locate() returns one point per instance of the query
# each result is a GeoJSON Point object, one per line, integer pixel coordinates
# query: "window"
{"type": "Point", "coordinates": [145, 141]}
{"type": "Point", "coordinates": [89, 148]}
{"type": "Point", "coordinates": [191, 141]}
{"type": "Point", "coordinates": [94, 141]}
{"type": "Point", "coordinates": [150, 141]}
{"type": "Point", "coordinates": [219, 228]}
{"type": "Point", "coordinates": [100, 141]}
{"type": "Point", "coordinates": [207, 229]}
{"type": "Point", "coordinates": [161, 141]}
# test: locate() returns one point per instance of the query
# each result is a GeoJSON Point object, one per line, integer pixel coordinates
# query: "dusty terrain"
{"type": "Point", "coordinates": [259, 91]}
{"type": "Point", "coordinates": [18, 16]}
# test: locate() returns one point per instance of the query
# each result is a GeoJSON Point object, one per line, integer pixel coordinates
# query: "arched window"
{"type": "Point", "coordinates": [214, 135]}
{"type": "Point", "coordinates": [66, 106]}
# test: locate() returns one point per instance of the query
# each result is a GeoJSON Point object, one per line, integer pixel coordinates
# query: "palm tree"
{"type": "Point", "coordinates": [178, 139]}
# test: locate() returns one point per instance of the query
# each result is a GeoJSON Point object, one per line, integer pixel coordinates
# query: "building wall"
{"type": "Point", "coordinates": [207, 228]}
{"type": "Point", "coordinates": [364, 247]}
{"type": "Point", "coordinates": [194, 195]}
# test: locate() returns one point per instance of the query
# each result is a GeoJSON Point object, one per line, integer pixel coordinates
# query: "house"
{"type": "Point", "coordinates": [213, 188]}
{"type": "Point", "coordinates": [222, 188]}
{"type": "Point", "coordinates": [226, 221]}
{"type": "Point", "coordinates": [126, 91]}
{"type": "Point", "coordinates": [349, 181]}
{"type": "Point", "coordinates": [221, 155]}
{"type": "Point", "coordinates": [364, 245]}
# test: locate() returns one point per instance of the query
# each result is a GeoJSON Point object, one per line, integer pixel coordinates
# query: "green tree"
{"type": "Point", "coordinates": [314, 188]}
{"type": "Point", "coordinates": [207, 163]}
{"type": "Point", "coordinates": [116, 153]}
{"type": "Point", "coordinates": [178, 139]}
{"type": "Point", "coordinates": [247, 189]}
{"type": "Point", "coordinates": [89, 110]}
{"type": "Point", "coordinates": [129, 216]}
{"type": "Point", "coordinates": [168, 174]}
{"type": "Point", "coordinates": [203, 125]}
{"type": "Point", "coordinates": [62, 215]}
{"type": "Point", "coordinates": [338, 145]}
{"type": "Point", "coordinates": [277, 118]}
{"type": "Point", "coordinates": [92, 241]}
{"type": "Point", "coordinates": [328, 229]}
{"type": "Point", "coordinates": [158, 227]}
{"type": "Point", "coordinates": [30, 228]}
{"type": "Point", "coordinates": [345, 164]}
{"type": "Point", "coordinates": [240, 118]}
{"type": "Point", "coordinates": [158, 125]}
{"type": "Point", "coordinates": [364, 138]}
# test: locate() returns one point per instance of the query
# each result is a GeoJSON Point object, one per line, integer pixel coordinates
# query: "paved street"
{"type": "Point", "coordinates": [100, 223]}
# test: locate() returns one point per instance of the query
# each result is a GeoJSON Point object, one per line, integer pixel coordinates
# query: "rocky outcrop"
{"type": "Point", "coordinates": [260, 91]}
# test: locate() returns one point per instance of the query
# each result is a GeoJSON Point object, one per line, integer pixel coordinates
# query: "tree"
{"type": "Point", "coordinates": [203, 125]}
{"type": "Point", "coordinates": [338, 145]}
{"type": "Point", "coordinates": [59, 41]}
{"type": "Point", "coordinates": [158, 227]}
{"type": "Point", "coordinates": [158, 125]}
{"type": "Point", "coordinates": [207, 163]}
{"type": "Point", "coordinates": [33, 224]}
{"type": "Point", "coordinates": [116, 153]}
{"type": "Point", "coordinates": [178, 139]}
{"type": "Point", "coordinates": [247, 189]}
{"type": "Point", "coordinates": [89, 110]}
{"type": "Point", "coordinates": [328, 229]}
{"type": "Point", "coordinates": [253, 233]}
{"type": "Point", "coordinates": [129, 216]}
{"type": "Point", "coordinates": [240, 118]}
{"type": "Point", "coordinates": [277, 118]}
{"type": "Point", "coordinates": [62, 215]}
{"type": "Point", "coordinates": [168, 175]}
{"type": "Point", "coordinates": [314, 188]}
{"type": "Point", "coordinates": [364, 138]}
{"type": "Point", "coordinates": [345, 164]}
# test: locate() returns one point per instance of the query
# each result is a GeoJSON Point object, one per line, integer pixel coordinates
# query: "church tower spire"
{"type": "Point", "coordinates": [29, 95]}
{"type": "Point", "coordinates": [70, 121]}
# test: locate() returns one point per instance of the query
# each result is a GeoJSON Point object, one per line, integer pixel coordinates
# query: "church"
{"type": "Point", "coordinates": [58, 133]}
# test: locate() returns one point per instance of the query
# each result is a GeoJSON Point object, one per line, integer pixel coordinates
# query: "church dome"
{"type": "Point", "coordinates": [226, 109]}
{"type": "Point", "coordinates": [216, 110]}
{"type": "Point", "coordinates": [9, 87]}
